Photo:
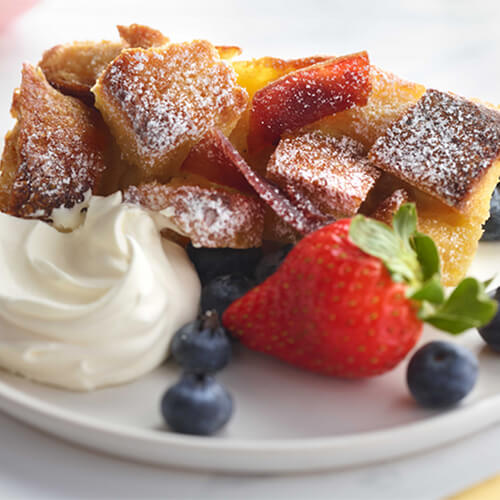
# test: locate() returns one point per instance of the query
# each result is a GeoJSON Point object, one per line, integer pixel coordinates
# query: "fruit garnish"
{"type": "Point", "coordinates": [270, 262]}
{"type": "Point", "coordinates": [212, 262]}
{"type": "Point", "coordinates": [492, 225]}
{"type": "Point", "coordinates": [440, 374]}
{"type": "Point", "coordinates": [223, 290]}
{"type": "Point", "coordinates": [210, 159]}
{"type": "Point", "coordinates": [491, 331]}
{"type": "Point", "coordinates": [306, 95]}
{"type": "Point", "coordinates": [350, 299]}
{"type": "Point", "coordinates": [202, 346]}
{"type": "Point", "coordinates": [197, 404]}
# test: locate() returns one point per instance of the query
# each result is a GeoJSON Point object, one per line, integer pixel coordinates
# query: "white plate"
{"type": "Point", "coordinates": [285, 420]}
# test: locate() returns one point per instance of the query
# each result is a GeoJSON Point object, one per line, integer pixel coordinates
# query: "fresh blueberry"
{"type": "Point", "coordinates": [202, 346]}
{"type": "Point", "coordinates": [212, 262]}
{"type": "Point", "coordinates": [440, 374]}
{"type": "Point", "coordinates": [270, 263]}
{"type": "Point", "coordinates": [491, 332]}
{"type": "Point", "coordinates": [197, 404]}
{"type": "Point", "coordinates": [222, 291]}
{"type": "Point", "coordinates": [492, 225]}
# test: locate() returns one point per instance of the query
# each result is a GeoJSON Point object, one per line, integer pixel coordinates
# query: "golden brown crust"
{"type": "Point", "coordinates": [138, 35]}
{"type": "Point", "coordinates": [209, 216]}
{"type": "Point", "coordinates": [444, 146]}
{"type": "Point", "coordinates": [159, 102]}
{"type": "Point", "coordinates": [73, 68]}
{"type": "Point", "coordinates": [55, 153]}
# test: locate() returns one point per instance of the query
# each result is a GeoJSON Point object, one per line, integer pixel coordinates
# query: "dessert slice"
{"type": "Point", "coordinates": [447, 147]}
{"type": "Point", "coordinates": [332, 173]}
{"type": "Point", "coordinates": [160, 102]}
{"type": "Point", "coordinates": [209, 215]}
{"type": "Point", "coordinates": [54, 156]}
{"type": "Point", "coordinates": [305, 96]}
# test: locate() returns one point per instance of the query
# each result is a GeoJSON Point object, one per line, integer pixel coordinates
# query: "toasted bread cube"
{"type": "Point", "coordinates": [208, 215]}
{"type": "Point", "coordinates": [332, 173]}
{"type": "Point", "coordinates": [305, 96]}
{"type": "Point", "coordinates": [138, 35]}
{"type": "Point", "coordinates": [73, 68]}
{"type": "Point", "coordinates": [390, 98]}
{"type": "Point", "coordinates": [386, 210]}
{"type": "Point", "coordinates": [54, 156]}
{"type": "Point", "coordinates": [160, 102]}
{"type": "Point", "coordinates": [443, 145]}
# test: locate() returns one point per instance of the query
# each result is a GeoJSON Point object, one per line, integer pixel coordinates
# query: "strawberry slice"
{"type": "Point", "coordinates": [349, 300]}
{"type": "Point", "coordinates": [306, 95]}
{"type": "Point", "coordinates": [210, 160]}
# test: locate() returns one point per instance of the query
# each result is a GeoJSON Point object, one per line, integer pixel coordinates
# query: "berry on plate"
{"type": "Point", "coordinates": [440, 374]}
{"type": "Point", "coordinates": [491, 331]}
{"type": "Point", "coordinates": [212, 262]}
{"type": "Point", "coordinates": [270, 263]}
{"type": "Point", "coordinates": [492, 225]}
{"type": "Point", "coordinates": [350, 298]}
{"type": "Point", "coordinates": [202, 346]}
{"type": "Point", "coordinates": [219, 293]}
{"type": "Point", "coordinates": [197, 404]}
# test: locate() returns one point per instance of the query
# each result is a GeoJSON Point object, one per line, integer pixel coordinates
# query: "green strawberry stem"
{"type": "Point", "coordinates": [412, 258]}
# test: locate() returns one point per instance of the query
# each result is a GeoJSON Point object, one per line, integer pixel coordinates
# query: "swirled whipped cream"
{"type": "Point", "coordinates": [94, 307]}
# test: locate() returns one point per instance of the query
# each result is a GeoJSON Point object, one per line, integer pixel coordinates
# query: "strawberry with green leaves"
{"type": "Point", "coordinates": [350, 299]}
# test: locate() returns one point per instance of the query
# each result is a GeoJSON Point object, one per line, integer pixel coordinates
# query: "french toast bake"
{"type": "Point", "coordinates": [234, 153]}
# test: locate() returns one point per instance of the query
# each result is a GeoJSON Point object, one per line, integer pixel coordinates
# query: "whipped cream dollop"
{"type": "Point", "coordinates": [94, 307]}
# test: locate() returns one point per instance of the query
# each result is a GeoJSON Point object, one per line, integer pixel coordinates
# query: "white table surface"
{"type": "Point", "coordinates": [452, 45]}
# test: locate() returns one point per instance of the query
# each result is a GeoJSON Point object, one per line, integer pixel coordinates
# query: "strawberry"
{"type": "Point", "coordinates": [350, 299]}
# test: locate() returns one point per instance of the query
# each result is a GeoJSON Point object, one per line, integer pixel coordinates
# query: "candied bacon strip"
{"type": "Point", "coordinates": [301, 218]}
{"type": "Point", "coordinates": [307, 95]}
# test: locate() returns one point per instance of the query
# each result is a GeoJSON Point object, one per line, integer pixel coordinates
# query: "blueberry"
{"type": "Point", "coordinates": [197, 404]}
{"type": "Point", "coordinates": [212, 262]}
{"type": "Point", "coordinates": [440, 374]}
{"type": "Point", "coordinates": [222, 291]}
{"type": "Point", "coordinates": [270, 263]}
{"type": "Point", "coordinates": [492, 225]}
{"type": "Point", "coordinates": [491, 332]}
{"type": "Point", "coordinates": [202, 346]}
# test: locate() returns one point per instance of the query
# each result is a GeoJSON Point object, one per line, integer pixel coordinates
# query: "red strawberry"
{"type": "Point", "coordinates": [335, 309]}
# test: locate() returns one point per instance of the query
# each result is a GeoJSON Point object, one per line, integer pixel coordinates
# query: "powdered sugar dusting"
{"type": "Point", "coordinates": [59, 149]}
{"type": "Point", "coordinates": [210, 217]}
{"type": "Point", "coordinates": [170, 96]}
{"type": "Point", "coordinates": [443, 145]}
{"type": "Point", "coordinates": [332, 173]}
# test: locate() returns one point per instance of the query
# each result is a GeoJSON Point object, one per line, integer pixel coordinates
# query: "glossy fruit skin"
{"type": "Point", "coordinates": [200, 347]}
{"type": "Point", "coordinates": [330, 308]}
{"type": "Point", "coordinates": [222, 291]}
{"type": "Point", "coordinates": [440, 374]}
{"type": "Point", "coordinates": [269, 263]}
{"type": "Point", "coordinates": [213, 262]}
{"type": "Point", "coordinates": [492, 225]}
{"type": "Point", "coordinates": [197, 404]}
{"type": "Point", "coordinates": [491, 332]}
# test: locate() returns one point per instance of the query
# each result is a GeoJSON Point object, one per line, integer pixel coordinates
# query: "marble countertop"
{"type": "Point", "coordinates": [447, 44]}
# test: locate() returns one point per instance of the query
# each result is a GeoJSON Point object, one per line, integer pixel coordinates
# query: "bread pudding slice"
{"type": "Point", "coordinates": [209, 215]}
{"type": "Point", "coordinates": [55, 154]}
{"type": "Point", "coordinates": [332, 173]}
{"type": "Point", "coordinates": [140, 36]}
{"type": "Point", "coordinates": [160, 102]}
